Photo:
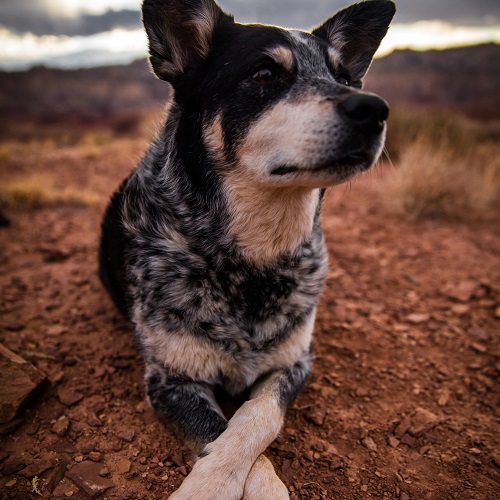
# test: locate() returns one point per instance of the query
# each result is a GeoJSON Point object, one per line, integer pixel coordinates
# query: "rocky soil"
{"type": "Point", "coordinates": [403, 401]}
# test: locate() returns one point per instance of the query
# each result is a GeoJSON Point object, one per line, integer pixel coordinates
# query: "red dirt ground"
{"type": "Point", "coordinates": [403, 401]}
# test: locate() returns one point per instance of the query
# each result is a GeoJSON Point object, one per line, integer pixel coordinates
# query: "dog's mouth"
{"type": "Point", "coordinates": [342, 168]}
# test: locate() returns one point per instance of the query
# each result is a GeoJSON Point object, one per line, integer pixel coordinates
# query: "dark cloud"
{"type": "Point", "coordinates": [304, 14]}
{"type": "Point", "coordinates": [40, 17]}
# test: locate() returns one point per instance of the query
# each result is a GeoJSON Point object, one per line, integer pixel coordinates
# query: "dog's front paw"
{"type": "Point", "coordinates": [263, 483]}
{"type": "Point", "coordinates": [212, 479]}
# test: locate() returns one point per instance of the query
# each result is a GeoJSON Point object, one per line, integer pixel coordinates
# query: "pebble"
{"type": "Point", "coordinates": [68, 397]}
{"type": "Point", "coordinates": [61, 426]}
{"type": "Point", "coordinates": [104, 472]}
{"type": "Point", "coordinates": [127, 436]}
{"type": "Point", "coordinates": [417, 318]}
{"type": "Point", "coordinates": [95, 456]}
{"type": "Point", "coordinates": [86, 476]}
{"type": "Point", "coordinates": [35, 468]}
{"type": "Point", "coordinates": [393, 442]}
{"type": "Point", "coordinates": [462, 292]}
{"type": "Point", "coordinates": [369, 443]}
{"type": "Point", "coordinates": [316, 416]}
{"type": "Point", "coordinates": [10, 484]}
{"type": "Point", "coordinates": [422, 421]}
{"type": "Point", "coordinates": [402, 427]}
{"type": "Point", "coordinates": [122, 466]}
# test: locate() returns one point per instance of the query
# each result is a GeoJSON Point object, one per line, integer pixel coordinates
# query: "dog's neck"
{"type": "Point", "coordinates": [267, 223]}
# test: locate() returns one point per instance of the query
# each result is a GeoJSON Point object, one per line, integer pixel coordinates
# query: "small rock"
{"type": "Point", "coordinates": [12, 465]}
{"type": "Point", "coordinates": [496, 460]}
{"type": "Point", "coordinates": [58, 474]}
{"type": "Point", "coordinates": [393, 442]}
{"type": "Point", "coordinates": [462, 292]}
{"type": "Point", "coordinates": [402, 427]}
{"type": "Point", "coordinates": [20, 381]}
{"type": "Point", "coordinates": [408, 440]}
{"type": "Point", "coordinates": [404, 496]}
{"type": "Point", "coordinates": [36, 468]}
{"type": "Point", "coordinates": [369, 443]}
{"type": "Point", "coordinates": [93, 420]}
{"type": "Point", "coordinates": [10, 484]}
{"type": "Point", "coordinates": [127, 436]}
{"type": "Point", "coordinates": [316, 416]}
{"type": "Point", "coordinates": [32, 428]}
{"type": "Point", "coordinates": [444, 397]}
{"type": "Point", "coordinates": [417, 318]}
{"type": "Point", "coordinates": [68, 397]}
{"type": "Point", "coordinates": [95, 456]}
{"type": "Point", "coordinates": [497, 312]}
{"type": "Point", "coordinates": [104, 472]}
{"type": "Point", "coordinates": [460, 309]}
{"type": "Point", "coordinates": [86, 476]}
{"type": "Point", "coordinates": [476, 346]}
{"type": "Point", "coordinates": [422, 421]}
{"type": "Point", "coordinates": [61, 426]}
{"type": "Point", "coordinates": [122, 466]}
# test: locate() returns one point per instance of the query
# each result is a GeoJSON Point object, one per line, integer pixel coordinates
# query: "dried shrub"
{"type": "Point", "coordinates": [39, 191]}
{"type": "Point", "coordinates": [445, 165]}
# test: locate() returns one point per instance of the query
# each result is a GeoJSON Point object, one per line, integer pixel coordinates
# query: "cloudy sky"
{"type": "Point", "coordinates": [78, 33]}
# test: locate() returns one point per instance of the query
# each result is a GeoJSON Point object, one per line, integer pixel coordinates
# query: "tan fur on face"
{"type": "Point", "coordinates": [282, 56]}
{"type": "Point", "coordinates": [268, 222]}
{"type": "Point", "coordinates": [214, 138]}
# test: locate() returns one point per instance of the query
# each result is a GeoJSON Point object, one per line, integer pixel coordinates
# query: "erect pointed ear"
{"type": "Point", "coordinates": [356, 32]}
{"type": "Point", "coordinates": [179, 33]}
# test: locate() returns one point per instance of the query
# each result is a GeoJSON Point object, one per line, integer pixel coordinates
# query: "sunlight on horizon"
{"type": "Point", "coordinates": [121, 46]}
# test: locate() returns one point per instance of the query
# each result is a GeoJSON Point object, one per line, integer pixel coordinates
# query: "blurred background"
{"type": "Point", "coordinates": [83, 62]}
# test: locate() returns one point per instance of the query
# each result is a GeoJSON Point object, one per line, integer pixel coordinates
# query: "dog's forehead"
{"type": "Point", "coordinates": [311, 54]}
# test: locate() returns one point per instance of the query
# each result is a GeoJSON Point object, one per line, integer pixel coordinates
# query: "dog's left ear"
{"type": "Point", "coordinates": [356, 32]}
{"type": "Point", "coordinates": [179, 33]}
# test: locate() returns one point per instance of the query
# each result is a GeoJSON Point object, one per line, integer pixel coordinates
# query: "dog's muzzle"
{"type": "Point", "coordinates": [366, 112]}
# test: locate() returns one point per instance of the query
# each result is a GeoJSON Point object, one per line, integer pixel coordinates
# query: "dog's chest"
{"type": "Point", "coordinates": [237, 306]}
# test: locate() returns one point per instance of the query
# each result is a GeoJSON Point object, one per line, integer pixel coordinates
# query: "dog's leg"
{"type": "Point", "coordinates": [225, 464]}
{"type": "Point", "coordinates": [189, 406]}
{"type": "Point", "coordinates": [262, 482]}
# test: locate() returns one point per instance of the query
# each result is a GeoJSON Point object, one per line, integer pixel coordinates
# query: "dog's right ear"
{"type": "Point", "coordinates": [179, 33]}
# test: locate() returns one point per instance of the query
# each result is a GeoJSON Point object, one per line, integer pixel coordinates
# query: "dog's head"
{"type": "Point", "coordinates": [283, 107]}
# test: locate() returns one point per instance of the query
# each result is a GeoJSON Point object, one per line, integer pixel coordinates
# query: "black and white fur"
{"type": "Point", "coordinates": [213, 246]}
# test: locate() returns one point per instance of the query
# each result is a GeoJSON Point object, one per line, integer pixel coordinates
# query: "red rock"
{"type": "Point", "coordinates": [461, 292]}
{"type": "Point", "coordinates": [61, 427]}
{"type": "Point", "coordinates": [369, 443]}
{"type": "Point", "coordinates": [35, 468]}
{"type": "Point", "coordinates": [68, 397]}
{"type": "Point", "coordinates": [126, 435]}
{"type": "Point", "coordinates": [402, 427]}
{"type": "Point", "coordinates": [86, 476]}
{"type": "Point", "coordinates": [422, 421]}
{"type": "Point", "coordinates": [20, 381]}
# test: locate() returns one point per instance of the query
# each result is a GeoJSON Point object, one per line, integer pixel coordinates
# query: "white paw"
{"type": "Point", "coordinates": [263, 484]}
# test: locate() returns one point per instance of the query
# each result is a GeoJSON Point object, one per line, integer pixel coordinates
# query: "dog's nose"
{"type": "Point", "coordinates": [368, 112]}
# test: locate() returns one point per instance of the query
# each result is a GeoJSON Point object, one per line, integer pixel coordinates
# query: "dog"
{"type": "Point", "coordinates": [213, 247]}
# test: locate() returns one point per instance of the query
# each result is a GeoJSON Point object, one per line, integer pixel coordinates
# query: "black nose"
{"type": "Point", "coordinates": [368, 112]}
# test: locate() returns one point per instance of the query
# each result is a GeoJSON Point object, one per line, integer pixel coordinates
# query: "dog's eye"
{"type": "Point", "coordinates": [264, 75]}
{"type": "Point", "coordinates": [343, 79]}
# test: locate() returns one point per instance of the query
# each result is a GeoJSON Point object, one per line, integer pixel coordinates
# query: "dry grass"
{"type": "Point", "coordinates": [40, 191]}
{"type": "Point", "coordinates": [446, 166]}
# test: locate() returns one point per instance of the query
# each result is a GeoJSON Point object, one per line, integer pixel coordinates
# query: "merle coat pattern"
{"type": "Point", "coordinates": [213, 247]}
